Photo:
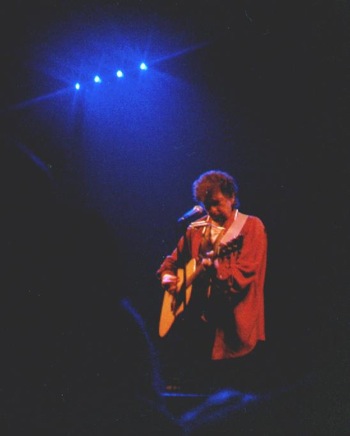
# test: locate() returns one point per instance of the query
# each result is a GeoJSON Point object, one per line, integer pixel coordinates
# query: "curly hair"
{"type": "Point", "coordinates": [213, 181]}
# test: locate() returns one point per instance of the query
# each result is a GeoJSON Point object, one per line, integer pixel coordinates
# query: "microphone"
{"type": "Point", "coordinates": [191, 214]}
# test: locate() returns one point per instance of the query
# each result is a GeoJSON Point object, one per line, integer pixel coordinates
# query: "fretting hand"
{"type": "Point", "coordinates": [208, 261]}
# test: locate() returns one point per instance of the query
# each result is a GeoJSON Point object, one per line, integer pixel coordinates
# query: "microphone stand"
{"type": "Point", "coordinates": [183, 225]}
{"type": "Point", "coordinates": [182, 228]}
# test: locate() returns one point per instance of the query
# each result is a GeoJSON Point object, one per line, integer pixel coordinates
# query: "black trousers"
{"type": "Point", "coordinates": [186, 352]}
{"type": "Point", "coordinates": [187, 362]}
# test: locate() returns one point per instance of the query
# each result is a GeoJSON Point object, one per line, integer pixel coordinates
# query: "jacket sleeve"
{"type": "Point", "coordinates": [168, 266]}
{"type": "Point", "coordinates": [237, 271]}
{"type": "Point", "coordinates": [241, 277]}
{"type": "Point", "coordinates": [172, 262]}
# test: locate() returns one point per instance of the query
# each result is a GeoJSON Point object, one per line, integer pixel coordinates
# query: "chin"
{"type": "Point", "coordinates": [218, 219]}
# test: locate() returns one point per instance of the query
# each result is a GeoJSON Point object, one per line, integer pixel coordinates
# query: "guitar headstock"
{"type": "Point", "coordinates": [231, 246]}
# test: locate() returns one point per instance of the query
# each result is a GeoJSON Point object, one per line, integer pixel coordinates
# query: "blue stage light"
{"type": "Point", "coordinates": [77, 86]}
{"type": "Point", "coordinates": [119, 73]}
{"type": "Point", "coordinates": [143, 66]}
{"type": "Point", "coordinates": [97, 79]}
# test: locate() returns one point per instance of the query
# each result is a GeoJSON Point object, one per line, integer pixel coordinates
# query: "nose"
{"type": "Point", "coordinates": [213, 210]}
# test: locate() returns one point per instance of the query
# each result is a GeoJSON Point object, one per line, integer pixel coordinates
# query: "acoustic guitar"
{"type": "Point", "coordinates": [174, 303]}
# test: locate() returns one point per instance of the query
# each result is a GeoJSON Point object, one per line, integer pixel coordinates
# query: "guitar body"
{"type": "Point", "coordinates": [174, 305]}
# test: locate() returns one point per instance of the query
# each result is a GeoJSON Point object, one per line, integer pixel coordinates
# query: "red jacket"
{"type": "Point", "coordinates": [241, 277]}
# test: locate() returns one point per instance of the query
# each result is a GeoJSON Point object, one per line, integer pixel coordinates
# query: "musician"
{"type": "Point", "coordinates": [223, 318]}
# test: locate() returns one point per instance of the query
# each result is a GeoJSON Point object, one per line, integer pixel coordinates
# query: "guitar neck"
{"type": "Point", "coordinates": [225, 250]}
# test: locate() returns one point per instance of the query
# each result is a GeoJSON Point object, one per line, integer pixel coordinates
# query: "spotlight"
{"type": "Point", "coordinates": [143, 66]}
{"type": "Point", "coordinates": [97, 79]}
{"type": "Point", "coordinates": [119, 73]}
{"type": "Point", "coordinates": [77, 86]}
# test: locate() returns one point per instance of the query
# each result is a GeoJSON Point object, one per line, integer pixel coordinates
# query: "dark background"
{"type": "Point", "coordinates": [257, 88]}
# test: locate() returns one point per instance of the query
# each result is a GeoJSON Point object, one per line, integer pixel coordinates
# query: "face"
{"type": "Point", "coordinates": [219, 207]}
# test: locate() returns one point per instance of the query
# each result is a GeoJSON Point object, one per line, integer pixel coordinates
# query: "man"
{"type": "Point", "coordinates": [216, 309]}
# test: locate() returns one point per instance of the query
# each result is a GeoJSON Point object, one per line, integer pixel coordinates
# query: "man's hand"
{"type": "Point", "coordinates": [207, 261]}
{"type": "Point", "coordinates": [169, 283]}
